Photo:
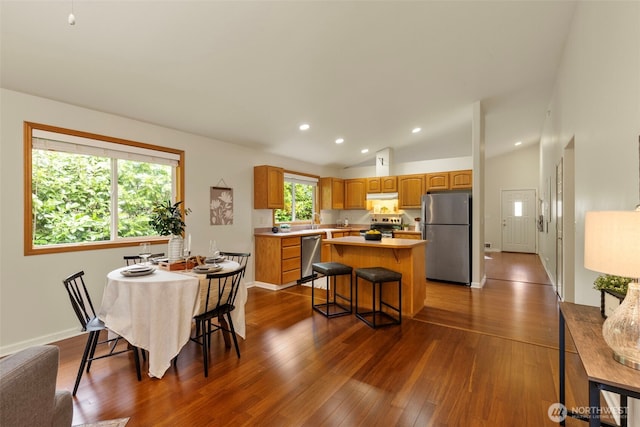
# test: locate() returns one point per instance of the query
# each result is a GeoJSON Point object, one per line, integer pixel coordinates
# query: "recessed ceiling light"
{"type": "Point", "coordinates": [304, 126]}
{"type": "Point", "coordinates": [364, 150]}
{"type": "Point", "coordinates": [339, 140]}
{"type": "Point", "coordinates": [416, 130]}
{"type": "Point", "coordinates": [518, 143]}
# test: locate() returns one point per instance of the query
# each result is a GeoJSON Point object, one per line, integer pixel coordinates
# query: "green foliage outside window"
{"type": "Point", "coordinates": [298, 203]}
{"type": "Point", "coordinates": [71, 197]}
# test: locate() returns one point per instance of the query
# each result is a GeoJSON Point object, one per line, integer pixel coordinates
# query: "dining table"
{"type": "Point", "coordinates": [155, 311]}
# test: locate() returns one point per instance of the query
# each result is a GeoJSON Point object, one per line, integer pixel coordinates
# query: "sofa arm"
{"type": "Point", "coordinates": [28, 389]}
{"type": "Point", "coordinates": [62, 409]}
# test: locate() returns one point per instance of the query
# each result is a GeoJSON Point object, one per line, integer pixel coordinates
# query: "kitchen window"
{"type": "Point", "coordinates": [299, 199]}
{"type": "Point", "coordinates": [86, 191]}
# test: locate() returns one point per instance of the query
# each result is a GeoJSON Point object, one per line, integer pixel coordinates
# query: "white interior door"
{"type": "Point", "coordinates": [519, 221]}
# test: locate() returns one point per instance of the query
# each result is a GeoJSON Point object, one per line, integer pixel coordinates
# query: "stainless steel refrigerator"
{"type": "Point", "coordinates": [446, 225]}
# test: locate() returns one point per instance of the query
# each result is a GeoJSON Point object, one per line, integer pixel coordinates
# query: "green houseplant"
{"type": "Point", "coordinates": [166, 219]}
{"type": "Point", "coordinates": [612, 292]}
{"type": "Point", "coordinates": [608, 282]}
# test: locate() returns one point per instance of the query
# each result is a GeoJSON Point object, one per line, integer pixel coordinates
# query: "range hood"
{"type": "Point", "coordinates": [382, 196]}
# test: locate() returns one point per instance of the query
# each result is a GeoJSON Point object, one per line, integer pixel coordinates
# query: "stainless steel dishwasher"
{"type": "Point", "coordinates": [311, 249]}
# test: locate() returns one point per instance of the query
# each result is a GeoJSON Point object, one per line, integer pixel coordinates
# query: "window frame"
{"type": "Point", "coordinates": [29, 248]}
{"type": "Point", "coordinates": [316, 205]}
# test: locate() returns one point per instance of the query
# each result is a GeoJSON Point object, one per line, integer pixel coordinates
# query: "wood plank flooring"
{"type": "Point", "coordinates": [471, 357]}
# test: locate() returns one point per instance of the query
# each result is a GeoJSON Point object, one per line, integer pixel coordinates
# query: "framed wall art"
{"type": "Point", "coordinates": [221, 206]}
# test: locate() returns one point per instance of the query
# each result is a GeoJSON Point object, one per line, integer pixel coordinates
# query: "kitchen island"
{"type": "Point", "coordinates": [406, 256]}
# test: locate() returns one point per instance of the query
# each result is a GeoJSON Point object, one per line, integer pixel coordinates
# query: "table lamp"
{"type": "Point", "coordinates": [612, 246]}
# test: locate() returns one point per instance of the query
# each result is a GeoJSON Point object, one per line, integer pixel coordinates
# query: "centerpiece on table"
{"type": "Point", "coordinates": [612, 289]}
{"type": "Point", "coordinates": [166, 219]}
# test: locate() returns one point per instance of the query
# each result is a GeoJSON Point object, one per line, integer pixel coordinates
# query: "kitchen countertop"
{"type": "Point", "coordinates": [384, 243]}
{"type": "Point", "coordinates": [306, 232]}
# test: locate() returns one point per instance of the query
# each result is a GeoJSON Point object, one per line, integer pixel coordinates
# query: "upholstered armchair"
{"type": "Point", "coordinates": [28, 395]}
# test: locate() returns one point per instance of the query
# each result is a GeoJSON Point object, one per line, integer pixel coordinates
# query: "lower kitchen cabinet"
{"type": "Point", "coordinates": [277, 259]}
{"type": "Point", "coordinates": [401, 234]}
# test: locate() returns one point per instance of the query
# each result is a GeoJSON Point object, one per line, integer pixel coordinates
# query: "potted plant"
{"type": "Point", "coordinates": [612, 289]}
{"type": "Point", "coordinates": [166, 219]}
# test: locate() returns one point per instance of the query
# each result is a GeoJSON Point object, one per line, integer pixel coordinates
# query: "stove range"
{"type": "Point", "coordinates": [385, 224]}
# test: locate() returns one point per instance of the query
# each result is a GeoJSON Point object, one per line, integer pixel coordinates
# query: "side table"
{"type": "Point", "coordinates": [584, 323]}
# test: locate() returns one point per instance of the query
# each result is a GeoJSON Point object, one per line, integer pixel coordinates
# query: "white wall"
{"type": "Point", "coordinates": [512, 171]}
{"type": "Point", "coordinates": [408, 168]}
{"type": "Point", "coordinates": [34, 308]}
{"type": "Point", "coordinates": [597, 102]}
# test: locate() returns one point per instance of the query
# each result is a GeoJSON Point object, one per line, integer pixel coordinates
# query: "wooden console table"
{"type": "Point", "coordinates": [584, 323]}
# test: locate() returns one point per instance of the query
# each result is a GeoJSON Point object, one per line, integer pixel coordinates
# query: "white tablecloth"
{"type": "Point", "coordinates": [155, 312]}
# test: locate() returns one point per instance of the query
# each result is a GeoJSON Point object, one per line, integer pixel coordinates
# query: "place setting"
{"type": "Point", "coordinates": [138, 270]}
{"type": "Point", "coordinates": [142, 269]}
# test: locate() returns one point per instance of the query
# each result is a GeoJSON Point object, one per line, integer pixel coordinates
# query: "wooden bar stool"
{"type": "Point", "coordinates": [376, 317]}
{"type": "Point", "coordinates": [332, 307]}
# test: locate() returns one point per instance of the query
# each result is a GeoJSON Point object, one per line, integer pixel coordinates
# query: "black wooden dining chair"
{"type": "Point", "coordinates": [83, 307]}
{"type": "Point", "coordinates": [137, 259]}
{"type": "Point", "coordinates": [239, 257]}
{"type": "Point", "coordinates": [216, 303]}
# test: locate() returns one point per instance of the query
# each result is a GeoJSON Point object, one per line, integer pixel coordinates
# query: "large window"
{"type": "Point", "coordinates": [299, 199]}
{"type": "Point", "coordinates": [88, 191]}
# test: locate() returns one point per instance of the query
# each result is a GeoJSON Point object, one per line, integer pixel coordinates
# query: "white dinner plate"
{"type": "Point", "coordinates": [137, 271]}
{"type": "Point", "coordinates": [206, 269]}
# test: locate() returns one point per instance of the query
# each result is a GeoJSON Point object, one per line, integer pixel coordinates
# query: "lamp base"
{"type": "Point", "coordinates": [626, 361]}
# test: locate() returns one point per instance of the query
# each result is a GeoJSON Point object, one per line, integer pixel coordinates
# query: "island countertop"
{"type": "Point", "coordinates": [384, 243]}
{"type": "Point", "coordinates": [405, 256]}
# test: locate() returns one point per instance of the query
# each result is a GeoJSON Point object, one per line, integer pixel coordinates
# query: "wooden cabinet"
{"type": "Point", "coordinates": [384, 184]}
{"type": "Point", "coordinates": [355, 193]}
{"type": "Point", "coordinates": [277, 259]}
{"type": "Point", "coordinates": [449, 180]}
{"type": "Point", "coordinates": [410, 191]}
{"type": "Point", "coordinates": [373, 185]}
{"type": "Point", "coordinates": [437, 181]}
{"type": "Point", "coordinates": [459, 180]}
{"type": "Point", "coordinates": [268, 187]}
{"type": "Point", "coordinates": [331, 193]}
{"type": "Point", "coordinates": [401, 234]}
{"type": "Point", "coordinates": [291, 268]}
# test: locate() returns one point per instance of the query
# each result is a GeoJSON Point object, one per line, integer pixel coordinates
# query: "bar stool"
{"type": "Point", "coordinates": [376, 317]}
{"type": "Point", "coordinates": [332, 308]}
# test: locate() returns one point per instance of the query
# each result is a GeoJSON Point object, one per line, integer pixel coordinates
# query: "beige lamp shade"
{"type": "Point", "coordinates": [612, 243]}
{"type": "Point", "coordinates": [612, 246]}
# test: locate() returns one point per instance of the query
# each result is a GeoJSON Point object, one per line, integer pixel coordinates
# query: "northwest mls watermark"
{"type": "Point", "coordinates": [557, 412]}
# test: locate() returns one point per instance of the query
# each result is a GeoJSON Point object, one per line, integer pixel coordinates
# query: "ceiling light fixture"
{"type": "Point", "coordinates": [304, 126]}
{"type": "Point", "coordinates": [518, 143]}
{"type": "Point", "coordinates": [72, 18]}
{"type": "Point", "coordinates": [416, 130]}
{"type": "Point", "coordinates": [364, 150]}
{"type": "Point", "coordinates": [339, 140]}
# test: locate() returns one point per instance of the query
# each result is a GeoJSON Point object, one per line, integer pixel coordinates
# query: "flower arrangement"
{"type": "Point", "coordinates": [608, 282]}
{"type": "Point", "coordinates": [166, 218]}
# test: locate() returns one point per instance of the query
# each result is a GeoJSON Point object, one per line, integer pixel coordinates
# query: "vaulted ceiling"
{"type": "Point", "coordinates": [250, 72]}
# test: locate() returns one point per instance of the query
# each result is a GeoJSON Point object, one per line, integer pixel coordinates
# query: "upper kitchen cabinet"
{"type": "Point", "coordinates": [384, 184]}
{"type": "Point", "coordinates": [410, 191]}
{"type": "Point", "coordinates": [355, 193]}
{"type": "Point", "coordinates": [450, 180]}
{"type": "Point", "coordinates": [437, 181]}
{"type": "Point", "coordinates": [268, 187]}
{"type": "Point", "coordinates": [331, 193]}
{"type": "Point", "coordinates": [460, 180]}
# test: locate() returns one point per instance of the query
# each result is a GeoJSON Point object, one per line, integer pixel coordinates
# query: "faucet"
{"type": "Point", "coordinates": [314, 225]}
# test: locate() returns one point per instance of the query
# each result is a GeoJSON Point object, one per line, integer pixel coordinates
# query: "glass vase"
{"type": "Point", "coordinates": [621, 330]}
{"type": "Point", "coordinates": [176, 247]}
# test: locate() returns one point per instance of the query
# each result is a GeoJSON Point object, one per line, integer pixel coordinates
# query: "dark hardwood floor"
{"type": "Point", "coordinates": [471, 357]}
